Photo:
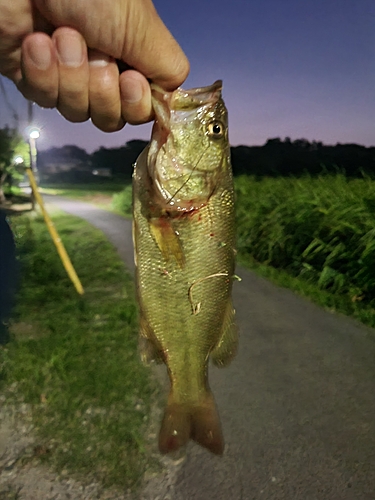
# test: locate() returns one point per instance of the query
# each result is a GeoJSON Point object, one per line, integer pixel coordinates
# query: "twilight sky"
{"type": "Point", "coordinates": [303, 69]}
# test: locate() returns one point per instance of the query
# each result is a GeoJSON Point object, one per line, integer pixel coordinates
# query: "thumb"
{"type": "Point", "coordinates": [130, 30]}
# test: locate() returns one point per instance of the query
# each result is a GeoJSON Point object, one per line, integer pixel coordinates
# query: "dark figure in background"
{"type": "Point", "coordinates": [8, 276]}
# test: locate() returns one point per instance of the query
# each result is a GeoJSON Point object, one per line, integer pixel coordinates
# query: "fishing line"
{"type": "Point", "coordinates": [191, 173]}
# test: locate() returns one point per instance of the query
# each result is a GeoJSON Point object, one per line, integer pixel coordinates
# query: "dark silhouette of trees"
{"type": "Point", "coordinates": [71, 164]}
{"type": "Point", "coordinates": [275, 158]}
{"type": "Point", "coordinates": [282, 158]}
{"type": "Point", "coordinates": [66, 164]}
{"type": "Point", "coordinates": [119, 160]}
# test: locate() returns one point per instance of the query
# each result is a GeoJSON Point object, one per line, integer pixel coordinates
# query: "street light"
{"type": "Point", "coordinates": [18, 160]}
{"type": "Point", "coordinates": [33, 172]}
{"type": "Point", "coordinates": [33, 135]}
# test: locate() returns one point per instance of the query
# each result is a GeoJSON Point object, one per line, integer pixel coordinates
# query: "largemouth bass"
{"type": "Point", "coordinates": [184, 238]}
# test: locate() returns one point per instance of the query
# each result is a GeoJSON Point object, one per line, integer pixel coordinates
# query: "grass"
{"type": "Point", "coordinates": [84, 189]}
{"type": "Point", "coordinates": [99, 193]}
{"type": "Point", "coordinates": [315, 235]}
{"type": "Point", "coordinates": [75, 359]}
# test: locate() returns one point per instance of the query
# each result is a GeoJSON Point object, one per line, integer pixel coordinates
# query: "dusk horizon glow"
{"type": "Point", "coordinates": [289, 69]}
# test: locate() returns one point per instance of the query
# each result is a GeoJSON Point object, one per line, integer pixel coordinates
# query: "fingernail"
{"type": "Point", "coordinates": [131, 91]}
{"type": "Point", "coordinates": [98, 59]}
{"type": "Point", "coordinates": [70, 49]}
{"type": "Point", "coordinates": [39, 54]}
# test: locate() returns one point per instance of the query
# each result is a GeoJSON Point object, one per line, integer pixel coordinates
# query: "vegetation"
{"type": "Point", "coordinates": [122, 202]}
{"type": "Point", "coordinates": [284, 158]}
{"type": "Point", "coordinates": [81, 190]}
{"type": "Point", "coordinates": [75, 359]}
{"type": "Point", "coordinates": [98, 193]}
{"type": "Point", "coordinates": [11, 146]}
{"type": "Point", "coordinates": [119, 160]}
{"type": "Point", "coordinates": [318, 230]}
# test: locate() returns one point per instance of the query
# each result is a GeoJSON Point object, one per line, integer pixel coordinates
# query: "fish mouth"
{"type": "Point", "coordinates": [183, 100]}
{"type": "Point", "coordinates": [171, 108]}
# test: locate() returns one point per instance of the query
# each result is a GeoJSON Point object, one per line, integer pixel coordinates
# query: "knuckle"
{"type": "Point", "coordinates": [73, 115]}
{"type": "Point", "coordinates": [137, 116]}
{"type": "Point", "coordinates": [106, 124]}
{"type": "Point", "coordinates": [45, 98]}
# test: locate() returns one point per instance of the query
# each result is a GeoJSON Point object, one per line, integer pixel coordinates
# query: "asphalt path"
{"type": "Point", "coordinates": [297, 404]}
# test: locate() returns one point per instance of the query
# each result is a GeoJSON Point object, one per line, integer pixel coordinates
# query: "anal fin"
{"type": "Point", "coordinates": [226, 348]}
{"type": "Point", "coordinates": [147, 346]}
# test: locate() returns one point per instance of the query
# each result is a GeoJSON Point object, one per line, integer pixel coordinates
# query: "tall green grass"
{"type": "Point", "coordinates": [318, 229]}
{"type": "Point", "coordinates": [122, 202]}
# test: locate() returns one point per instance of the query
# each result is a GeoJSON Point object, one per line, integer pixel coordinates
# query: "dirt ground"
{"type": "Point", "coordinates": [24, 477]}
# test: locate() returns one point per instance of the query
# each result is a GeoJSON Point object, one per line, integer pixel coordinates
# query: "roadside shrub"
{"type": "Point", "coordinates": [122, 202]}
{"type": "Point", "coordinates": [321, 229]}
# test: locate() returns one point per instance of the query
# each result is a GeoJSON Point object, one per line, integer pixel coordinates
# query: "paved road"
{"type": "Point", "coordinates": [297, 405]}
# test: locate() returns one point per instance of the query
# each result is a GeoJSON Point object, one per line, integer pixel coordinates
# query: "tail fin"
{"type": "Point", "coordinates": [182, 422]}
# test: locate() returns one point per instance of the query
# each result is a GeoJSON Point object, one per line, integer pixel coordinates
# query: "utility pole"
{"type": "Point", "coordinates": [32, 146]}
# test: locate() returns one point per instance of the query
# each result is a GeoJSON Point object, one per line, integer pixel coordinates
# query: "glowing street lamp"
{"type": "Point", "coordinates": [33, 135]}
{"type": "Point", "coordinates": [18, 160]}
{"type": "Point", "coordinates": [33, 172]}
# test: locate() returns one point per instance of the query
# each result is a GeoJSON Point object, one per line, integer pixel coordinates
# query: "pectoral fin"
{"type": "Point", "coordinates": [226, 348]}
{"type": "Point", "coordinates": [167, 240]}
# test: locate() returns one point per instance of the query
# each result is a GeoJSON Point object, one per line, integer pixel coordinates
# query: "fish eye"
{"type": "Point", "coordinates": [215, 130]}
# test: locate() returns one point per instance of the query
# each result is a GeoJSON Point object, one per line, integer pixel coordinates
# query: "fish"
{"type": "Point", "coordinates": [184, 249]}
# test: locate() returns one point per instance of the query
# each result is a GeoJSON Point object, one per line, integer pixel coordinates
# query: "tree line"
{"type": "Point", "coordinates": [73, 164]}
{"type": "Point", "coordinates": [295, 158]}
{"type": "Point", "coordinates": [275, 158]}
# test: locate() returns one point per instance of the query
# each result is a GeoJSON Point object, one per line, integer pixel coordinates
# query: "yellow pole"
{"type": "Point", "coordinates": [55, 236]}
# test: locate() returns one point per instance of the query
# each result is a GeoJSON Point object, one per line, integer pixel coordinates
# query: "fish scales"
{"type": "Point", "coordinates": [184, 237]}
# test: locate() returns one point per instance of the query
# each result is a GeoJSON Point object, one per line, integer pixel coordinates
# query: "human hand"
{"type": "Point", "coordinates": [61, 53]}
